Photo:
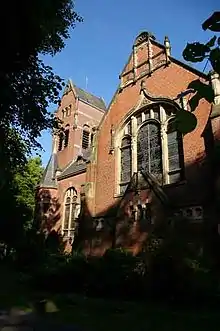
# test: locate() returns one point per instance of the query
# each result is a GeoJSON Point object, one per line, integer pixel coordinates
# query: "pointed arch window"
{"type": "Point", "coordinates": [61, 141]}
{"type": "Point", "coordinates": [85, 136]}
{"type": "Point", "coordinates": [66, 135]}
{"type": "Point", "coordinates": [149, 153]}
{"type": "Point", "coordinates": [175, 153]}
{"type": "Point", "coordinates": [125, 162]}
{"type": "Point", "coordinates": [156, 146]}
{"type": "Point", "coordinates": [71, 212]}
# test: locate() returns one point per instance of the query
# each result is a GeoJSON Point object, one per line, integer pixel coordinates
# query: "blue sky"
{"type": "Point", "coordinates": [99, 47]}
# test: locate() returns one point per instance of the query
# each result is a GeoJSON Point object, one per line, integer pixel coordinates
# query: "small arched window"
{"type": "Point", "coordinates": [68, 110]}
{"type": "Point", "coordinates": [125, 162]}
{"type": "Point", "coordinates": [61, 141]}
{"type": "Point", "coordinates": [149, 154]}
{"type": "Point", "coordinates": [66, 135]}
{"type": "Point", "coordinates": [71, 212]}
{"type": "Point", "coordinates": [175, 153]}
{"type": "Point", "coordinates": [85, 137]}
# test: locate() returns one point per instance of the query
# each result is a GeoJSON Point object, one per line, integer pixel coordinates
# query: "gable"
{"type": "Point", "coordinates": [147, 56]}
{"type": "Point", "coordinates": [164, 79]}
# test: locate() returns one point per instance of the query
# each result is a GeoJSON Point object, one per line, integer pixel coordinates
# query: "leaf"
{"type": "Point", "coordinates": [185, 121]}
{"type": "Point", "coordinates": [213, 22]}
{"type": "Point", "coordinates": [194, 102]}
{"type": "Point", "coordinates": [203, 91]}
{"type": "Point", "coordinates": [211, 42]}
{"type": "Point", "coordinates": [195, 52]}
{"type": "Point", "coordinates": [215, 59]}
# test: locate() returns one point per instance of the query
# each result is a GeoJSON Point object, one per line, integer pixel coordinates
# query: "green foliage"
{"type": "Point", "coordinates": [27, 85]}
{"type": "Point", "coordinates": [18, 201]}
{"type": "Point", "coordinates": [169, 268]}
{"type": "Point", "coordinates": [213, 22]}
{"type": "Point", "coordinates": [198, 52]}
{"type": "Point", "coordinates": [185, 121]}
{"type": "Point", "coordinates": [27, 181]}
{"type": "Point", "coordinates": [116, 274]}
{"type": "Point", "coordinates": [195, 52]}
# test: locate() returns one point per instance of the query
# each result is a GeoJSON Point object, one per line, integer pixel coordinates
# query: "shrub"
{"type": "Point", "coordinates": [116, 274]}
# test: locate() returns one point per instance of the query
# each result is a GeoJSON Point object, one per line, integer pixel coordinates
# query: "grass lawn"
{"type": "Point", "coordinates": [105, 315]}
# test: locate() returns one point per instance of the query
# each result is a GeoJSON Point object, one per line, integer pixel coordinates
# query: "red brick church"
{"type": "Point", "coordinates": [115, 170]}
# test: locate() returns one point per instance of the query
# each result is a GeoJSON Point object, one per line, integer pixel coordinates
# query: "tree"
{"type": "Point", "coordinates": [18, 202]}
{"type": "Point", "coordinates": [27, 85]}
{"type": "Point", "coordinates": [198, 52]}
{"type": "Point", "coordinates": [27, 181]}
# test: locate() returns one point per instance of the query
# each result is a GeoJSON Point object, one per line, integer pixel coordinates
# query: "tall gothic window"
{"type": "Point", "coordinates": [149, 154]}
{"type": "Point", "coordinates": [125, 162]}
{"type": "Point", "coordinates": [71, 212]}
{"type": "Point", "coordinates": [156, 146]}
{"type": "Point", "coordinates": [175, 153]}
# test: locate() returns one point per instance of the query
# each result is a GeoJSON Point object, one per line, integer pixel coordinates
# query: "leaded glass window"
{"type": "Point", "coordinates": [70, 215]}
{"type": "Point", "coordinates": [154, 140]}
{"type": "Point", "coordinates": [125, 162]}
{"type": "Point", "coordinates": [149, 154]}
{"type": "Point", "coordinates": [175, 153]}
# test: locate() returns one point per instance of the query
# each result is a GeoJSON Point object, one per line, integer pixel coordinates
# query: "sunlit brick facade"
{"type": "Point", "coordinates": [114, 171]}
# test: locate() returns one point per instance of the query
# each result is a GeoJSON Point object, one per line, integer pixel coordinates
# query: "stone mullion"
{"type": "Point", "coordinates": [163, 132]}
{"type": "Point", "coordinates": [134, 144]}
{"type": "Point", "coordinates": [70, 215]}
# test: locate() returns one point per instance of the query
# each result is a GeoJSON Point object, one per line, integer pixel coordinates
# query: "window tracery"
{"type": "Point", "coordinates": [71, 212]}
{"type": "Point", "coordinates": [149, 142]}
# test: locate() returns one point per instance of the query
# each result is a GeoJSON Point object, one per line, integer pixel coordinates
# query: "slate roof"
{"type": "Point", "coordinates": [48, 180]}
{"type": "Point", "coordinates": [84, 95]}
{"type": "Point", "coordinates": [72, 169]}
{"type": "Point", "coordinates": [90, 98]}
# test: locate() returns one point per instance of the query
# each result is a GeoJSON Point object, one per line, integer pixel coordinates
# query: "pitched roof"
{"type": "Point", "coordinates": [48, 180]}
{"type": "Point", "coordinates": [74, 168]}
{"type": "Point", "coordinates": [90, 98]}
{"type": "Point", "coordinates": [84, 95]}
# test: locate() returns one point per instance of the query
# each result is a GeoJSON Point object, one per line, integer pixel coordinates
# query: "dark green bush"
{"type": "Point", "coordinates": [116, 274]}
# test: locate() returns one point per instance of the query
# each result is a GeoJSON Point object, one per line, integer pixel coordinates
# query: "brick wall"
{"type": "Point", "coordinates": [86, 115]}
{"type": "Point", "coordinates": [168, 81]}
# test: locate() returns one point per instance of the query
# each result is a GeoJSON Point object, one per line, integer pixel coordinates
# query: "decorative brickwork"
{"type": "Point", "coordinates": [153, 87]}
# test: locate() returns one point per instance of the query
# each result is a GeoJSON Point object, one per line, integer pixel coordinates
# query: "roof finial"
{"type": "Point", "coordinates": [143, 36]}
{"type": "Point", "coordinates": [167, 49]}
